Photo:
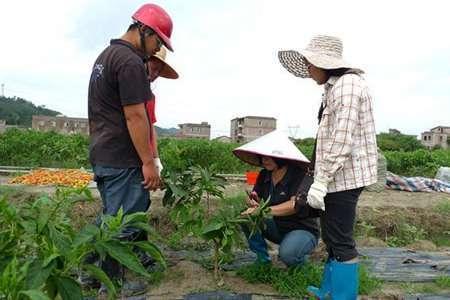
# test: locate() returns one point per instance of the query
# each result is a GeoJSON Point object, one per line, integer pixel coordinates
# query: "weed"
{"type": "Point", "coordinates": [405, 234]}
{"type": "Point", "coordinates": [443, 282]}
{"type": "Point", "coordinates": [293, 282]}
{"type": "Point", "coordinates": [443, 207]}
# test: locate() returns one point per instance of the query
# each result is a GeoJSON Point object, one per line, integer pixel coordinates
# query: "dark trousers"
{"type": "Point", "coordinates": [337, 224]}
{"type": "Point", "coordinates": [121, 188]}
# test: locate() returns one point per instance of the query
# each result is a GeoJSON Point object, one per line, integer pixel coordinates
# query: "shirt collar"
{"type": "Point", "coordinates": [128, 45]}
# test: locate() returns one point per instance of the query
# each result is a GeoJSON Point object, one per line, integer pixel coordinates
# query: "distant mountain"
{"type": "Point", "coordinates": [18, 111]}
{"type": "Point", "coordinates": [166, 131]}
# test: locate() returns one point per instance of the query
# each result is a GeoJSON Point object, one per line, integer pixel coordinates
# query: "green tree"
{"type": "Point", "coordinates": [18, 111]}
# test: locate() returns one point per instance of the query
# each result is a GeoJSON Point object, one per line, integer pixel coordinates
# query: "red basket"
{"type": "Point", "coordinates": [251, 177]}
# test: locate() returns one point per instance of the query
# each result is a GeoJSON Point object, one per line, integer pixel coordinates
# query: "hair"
{"type": "Point", "coordinates": [336, 72]}
{"type": "Point", "coordinates": [133, 26]}
{"type": "Point", "coordinates": [136, 25]}
{"type": "Point", "coordinates": [280, 162]}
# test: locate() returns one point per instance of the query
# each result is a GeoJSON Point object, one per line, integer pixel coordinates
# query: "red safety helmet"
{"type": "Point", "coordinates": [157, 19]}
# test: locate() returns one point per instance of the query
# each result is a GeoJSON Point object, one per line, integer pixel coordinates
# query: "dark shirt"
{"type": "Point", "coordinates": [282, 192]}
{"type": "Point", "coordinates": [118, 78]}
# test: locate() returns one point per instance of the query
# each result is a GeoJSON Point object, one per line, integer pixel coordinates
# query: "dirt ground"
{"type": "Point", "coordinates": [184, 277]}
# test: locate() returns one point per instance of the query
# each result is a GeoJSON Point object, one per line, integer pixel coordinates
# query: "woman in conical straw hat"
{"type": "Point", "coordinates": [345, 157]}
{"type": "Point", "coordinates": [158, 67]}
{"type": "Point", "coordinates": [284, 167]}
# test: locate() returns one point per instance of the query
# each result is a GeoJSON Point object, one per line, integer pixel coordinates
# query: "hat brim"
{"type": "Point", "coordinates": [295, 62]}
{"type": "Point", "coordinates": [167, 71]}
{"type": "Point", "coordinates": [253, 159]}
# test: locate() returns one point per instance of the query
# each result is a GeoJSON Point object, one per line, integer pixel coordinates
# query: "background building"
{"type": "Point", "coordinates": [437, 136]}
{"type": "Point", "coordinates": [248, 128]}
{"type": "Point", "coordinates": [61, 124]}
{"type": "Point", "coordinates": [192, 130]}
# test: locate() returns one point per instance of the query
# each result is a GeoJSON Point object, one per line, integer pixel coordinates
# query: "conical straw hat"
{"type": "Point", "coordinates": [274, 144]}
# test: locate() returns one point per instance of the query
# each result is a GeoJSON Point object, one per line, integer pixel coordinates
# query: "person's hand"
{"type": "Point", "coordinates": [151, 177]}
{"type": "Point", "coordinates": [252, 200]}
{"type": "Point", "coordinates": [249, 211]}
{"type": "Point", "coordinates": [316, 194]}
{"type": "Point", "coordinates": [158, 165]}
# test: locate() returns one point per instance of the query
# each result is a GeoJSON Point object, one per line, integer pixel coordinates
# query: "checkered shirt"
{"type": "Point", "coordinates": [346, 154]}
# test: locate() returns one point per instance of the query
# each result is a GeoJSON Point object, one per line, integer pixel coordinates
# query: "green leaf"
{"type": "Point", "coordinates": [100, 275]}
{"type": "Point", "coordinates": [68, 288]}
{"type": "Point", "coordinates": [125, 256]}
{"type": "Point", "coordinates": [86, 235]}
{"type": "Point", "coordinates": [35, 295]}
{"type": "Point", "coordinates": [37, 274]}
{"type": "Point", "coordinates": [138, 217]}
{"type": "Point", "coordinates": [213, 227]}
{"type": "Point", "coordinates": [50, 259]}
{"type": "Point", "coordinates": [153, 251]}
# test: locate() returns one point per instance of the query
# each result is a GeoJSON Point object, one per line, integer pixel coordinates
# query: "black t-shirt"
{"type": "Point", "coordinates": [282, 192]}
{"type": "Point", "coordinates": [118, 79]}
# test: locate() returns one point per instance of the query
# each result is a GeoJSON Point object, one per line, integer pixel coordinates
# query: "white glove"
{"type": "Point", "coordinates": [317, 192]}
{"type": "Point", "coordinates": [158, 165]}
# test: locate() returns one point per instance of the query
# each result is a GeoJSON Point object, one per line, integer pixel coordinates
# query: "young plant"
{"type": "Point", "coordinates": [48, 253]}
{"type": "Point", "coordinates": [224, 231]}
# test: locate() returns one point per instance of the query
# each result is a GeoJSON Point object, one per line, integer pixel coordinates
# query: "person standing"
{"type": "Point", "coordinates": [345, 156]}
{"type": "Point", "coordinates": [122, 161]}
{"type": "Point", "coordinates": [158, 68]}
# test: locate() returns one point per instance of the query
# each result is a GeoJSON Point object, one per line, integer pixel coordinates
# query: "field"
{"type": "Point", "coordinates": [414, 220]}
{"type": "Point", "coordinates": [194, 225]}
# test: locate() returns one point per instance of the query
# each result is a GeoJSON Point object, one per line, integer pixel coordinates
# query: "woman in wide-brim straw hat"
{"type": "Point", "coordinates": [345, 156]}
{"type": "Point", "coordinates": [157, 67]}
{"type": "Point", "coordinates": [283, 169]}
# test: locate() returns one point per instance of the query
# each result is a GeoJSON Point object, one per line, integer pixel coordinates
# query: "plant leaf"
{"type": "Point", "coordinates": [153, 251]}
{"type": "Point", "coordinates": [38, 273]}
{"type": "Point", "coordinates": [125, 256]}
{"type": "Point", "coordinates": [101, 275]}
{"type": "Point", "coordinates": [68, 288]}
{"type": "Point", "coordinates": [85, 235]}
{"type": "Point", "coordinates": [35, 295]}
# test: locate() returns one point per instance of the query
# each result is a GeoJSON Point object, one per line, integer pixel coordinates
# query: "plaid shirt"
{"type": "Point", "coordinates": [346, 154]}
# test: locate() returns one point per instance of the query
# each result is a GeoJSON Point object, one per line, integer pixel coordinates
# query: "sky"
{"type": "Point", "coordinates": [226, 55]}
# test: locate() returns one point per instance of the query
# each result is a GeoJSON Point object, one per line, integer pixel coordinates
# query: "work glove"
{"type": "Point", "coordinates": [317, 193]}
{"type": "Point", "coordinates": [158, 165]}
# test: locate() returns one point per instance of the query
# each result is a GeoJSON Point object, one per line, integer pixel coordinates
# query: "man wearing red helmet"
{"type": "Point", "coordinates": [123, 164]}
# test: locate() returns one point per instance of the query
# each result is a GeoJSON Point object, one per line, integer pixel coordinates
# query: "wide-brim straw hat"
{"type": "Point", "coordinates": [168, 71]}
{"type": "Point", "coordinates": [323, 51]}
{"type": "Point", "coordinates": [275, 144]}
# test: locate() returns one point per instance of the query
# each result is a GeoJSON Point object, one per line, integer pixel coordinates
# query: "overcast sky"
{"type": "Point", "coordinates": [226, 55]}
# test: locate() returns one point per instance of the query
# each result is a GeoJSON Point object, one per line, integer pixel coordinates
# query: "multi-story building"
{"type": "Point", "coordinates": [437, 136]}
{"type": "Point", "coordinates": [61, 124]}
{"type": "Point", "coordinates": [191, 130]}
{"type": "Point", "coordinates": [248, 128]}
{"type": "Point", "coordinates": [2, 126]}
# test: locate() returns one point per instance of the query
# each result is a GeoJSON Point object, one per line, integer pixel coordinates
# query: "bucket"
{"type": "Point", "coordinates": [251, 177]}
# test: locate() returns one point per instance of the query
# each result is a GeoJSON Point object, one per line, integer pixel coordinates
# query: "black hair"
{"type": "Point", "coordinates": [280, 162]}
{"type": "Point", "coordinates": [133, 26]}
{"type": "Point", "coordinates": [336, 72]}
{"type": "Point", "coordinates": [137, 25]}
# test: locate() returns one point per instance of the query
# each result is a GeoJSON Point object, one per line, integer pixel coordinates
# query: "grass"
{"type": "Point", "coordinates": [443, 207]}
{"type": "Point", "coordinates": [443, 282]}
{"type": "Point", "coordinates": [293, 282]}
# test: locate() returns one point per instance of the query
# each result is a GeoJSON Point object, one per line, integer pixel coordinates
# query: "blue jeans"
{"type": "Point", "coordinates": [295, 246]}
{"type": "Point", "coordinates": [122, 188]}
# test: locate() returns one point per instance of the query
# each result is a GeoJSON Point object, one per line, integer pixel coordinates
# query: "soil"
{"type": "Point", "coordinates": [382, 210]}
